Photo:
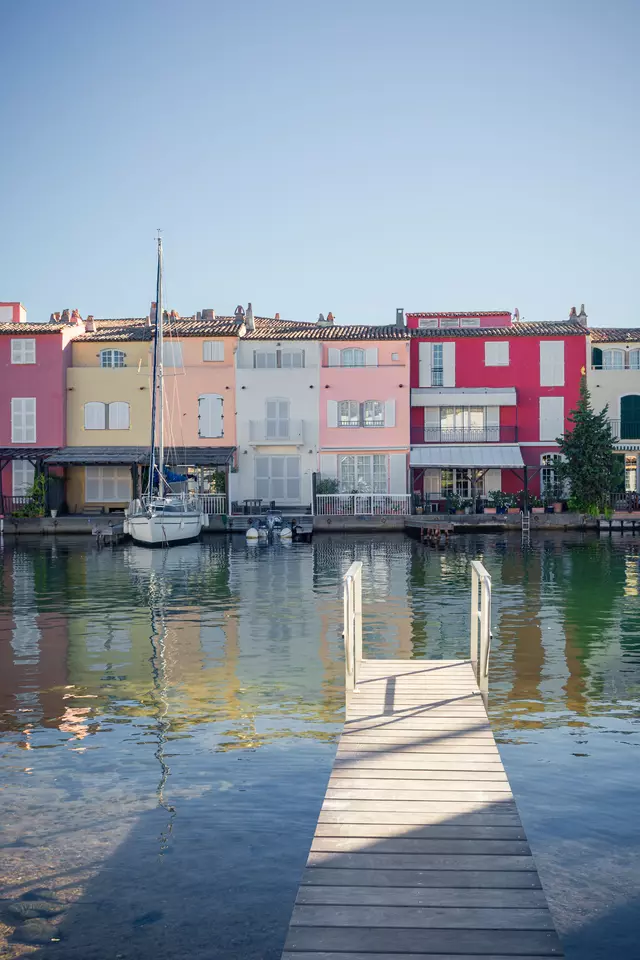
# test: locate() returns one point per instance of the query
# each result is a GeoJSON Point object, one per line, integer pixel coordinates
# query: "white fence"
{"type": "Point", "coordinates": [212, 503]}
{"type": "Point", "coordinates": [359, 504]}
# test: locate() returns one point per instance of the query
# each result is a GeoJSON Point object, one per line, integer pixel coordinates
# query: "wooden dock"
{"type": "Point", "coordinates": [419, 853]}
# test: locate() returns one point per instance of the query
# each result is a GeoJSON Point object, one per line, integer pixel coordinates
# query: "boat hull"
{"type": "Point", "coordinates": [163, 531]}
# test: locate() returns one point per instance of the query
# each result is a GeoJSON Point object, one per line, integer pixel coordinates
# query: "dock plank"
{"type": "Point", "coordinates": [419, 852]}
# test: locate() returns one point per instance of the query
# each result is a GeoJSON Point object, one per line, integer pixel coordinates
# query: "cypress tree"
{"type": "Point", "coordinates": [589, 463]}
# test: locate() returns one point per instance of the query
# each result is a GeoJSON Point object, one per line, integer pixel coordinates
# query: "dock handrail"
{"type": "Point", "coordinates": [352, 596]}
{"type": "Point", "coordinates": [480, 626]}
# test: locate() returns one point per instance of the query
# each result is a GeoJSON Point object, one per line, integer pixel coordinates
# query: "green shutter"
{"type": "Point", "coordinates": [630, 417]}
{"type": "Point", "coordinates": [596, 358]}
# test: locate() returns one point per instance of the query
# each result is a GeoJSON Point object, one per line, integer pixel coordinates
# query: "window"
{"type": "Point", "coordinates": [437, 365]}
{"type": "Point", "coordinates": [395, 356]}
{"type": "Point", "coordinates": [634, 359]}
{"type": "Point", "coordinates": [550, 483]}
{"type": "Point", "coordinates": [449, 323]}
{"type": "Point", "coordinates": [265, 360]}
{"type": "Point", "coordinates": [462, 424]}
{"type": "Point", "coordinates": [496, 353]}
{"type": "Point", "coordinates": [373, 413]}
{"type": "Point", "coordinates": [352, 357]}
{"type": "Point", "coordinates": [365, 474]}
{"type": "Point", "coordinates": [278, 478]}
{"type": "Point", "coordinates": [428, 324]}
{"type": "Point", "coordinates": [291, 358]}
{"type": "Point", "coordinates": [470, 322]}
{"type": "Point", "coordinates": [23, 351]}
{"type": "Point", "coordinates": [630, 473]}
{"type": "Point", "coordinates": [107, 484]}
{"type": "Point", "coordinates": [630, 417]}
{"type": "Point", "coordinates": [22, 477]}
{"type": "Point", "coordinates": [171, 353]}
{"type": "Point", "coordinates": [552, 363]}
{"type": "Point", "coordinates": [277, 419]}
{"type": "Point", "coordinates": [23, 420]}
{"type": "Point", "coordinates": [457, 482]}
{"type": "Point", "coordinates": [551, 417]}
{"type": "Point", "coordinates": [106, 416]}
{"type": "Point", "coordinates": [112, 358]}
{"type": "Point", "coordinates": [210, 415]}
{"type": "Point", "coordinates": [613, 359]}
{"type": "Point", "coordinates": [213, 350]}
{"type": "Point", "coordinates": [348, 413]}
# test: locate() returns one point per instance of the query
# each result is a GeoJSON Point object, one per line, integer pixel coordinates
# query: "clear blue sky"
{"type": "Point", "coordinates": [351, 156]}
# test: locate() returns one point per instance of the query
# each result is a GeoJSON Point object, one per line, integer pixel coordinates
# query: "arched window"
{"type": "Point", "coordinates": [352, 357]}
{"type": "Point", "coordinates": [348, 413]}
{"type": "Point", "coordinates": [630, 417]}
{"type": "Point", "coordinates": [112, 358]}
{"type": "Point", "coordinates": [613, 359]}
{"type": "Point", "coordinates": [95, 416]}
{"type": "Point", "coordinates": [634, 359]}
{"type": "Point", "coordinates": [373, 413]}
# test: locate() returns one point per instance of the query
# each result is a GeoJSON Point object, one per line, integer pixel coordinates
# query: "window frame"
{"type": "Point", "coordinates": [102, 468]}
{"type": "Point", "coordinates": [112, 353]}
{"type": "Point", "coordinates": [19, 356]}
{"type": "Point", "coordinates": [215, 346]}
{"type": "Point", "coordinates": [613, 352]}
{"type": "Point", "coordinates": [437, 370]}
{"type": "Point", "coordinates": [370, 421]}
{"type": "Point", "coordinates": [24, 486]}
{"type": "Point", "coordinates": [348, 419]}
{"type": "Point", "coordinates": [354, 351]}
{"type": "Point", "coordinates": [27, 438]}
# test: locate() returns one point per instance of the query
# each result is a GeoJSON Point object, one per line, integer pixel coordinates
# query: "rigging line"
{"type": "Point", "coordinates": [163, 725]}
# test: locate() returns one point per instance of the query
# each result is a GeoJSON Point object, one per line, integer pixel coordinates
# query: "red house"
{"type": "Point", "coordinates": [489, 396]}
{"type": "Point", "coordinates": [33, 362]}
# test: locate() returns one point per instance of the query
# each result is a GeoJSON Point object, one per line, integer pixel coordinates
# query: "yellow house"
{"type": "Point", "coordinates": [108, 414]}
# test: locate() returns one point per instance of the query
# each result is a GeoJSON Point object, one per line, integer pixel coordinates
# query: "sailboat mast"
{"type": "Point", "coordinates": [160, 339]}
{"type": "Point", "coordinates": [154, 380]}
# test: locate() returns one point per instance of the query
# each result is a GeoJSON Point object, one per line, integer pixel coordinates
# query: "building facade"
{"type": "Point", "coordinates": [613, 378]}
{"type": "Point", "coordinates": [487, 404]}
{"type": "Point", "coordinates": [364, 410]}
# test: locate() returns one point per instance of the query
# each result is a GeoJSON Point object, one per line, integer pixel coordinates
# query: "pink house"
{"type": "Point", "coordinates": [33, 362]}
{"type": "Point", "coordinates": [364, 416]}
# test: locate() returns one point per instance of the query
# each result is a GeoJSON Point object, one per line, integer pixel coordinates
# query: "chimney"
{"type": "Point", "coordinates": [54, 318]}
{"type": "Point", "coordinates": [66, 316]}
{"type": "Point", "coordinates": [89, 326]}
{"type": "Point", "coordinates": [75, 317]}
{"type": "Point", "coordinates": [239, 314]}
{"type": "Point", "coordinates": [325, 323]}
{"type": "Point", "coordinates": [277, 316]}
{"type": "Point", "coordinates": [248, 319]}
{"type": "Point", "coordinates": [400, 318]}
{"type": "Point", "coordinates": [198, 316]}
{"type": "Point", "coordinates": [330, 319]}
{"type": "Point", "coordinates": [573, 316]}
{"type": "Point", "coordinates": [153, 312]}
{"type": "Point", "coordinates": [208, 314]}
{"type": "Point", "coordinates": [582, 317]}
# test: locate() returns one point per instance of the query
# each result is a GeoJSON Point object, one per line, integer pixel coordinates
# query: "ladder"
{"type": "Point", "coordinates": [526, 527]}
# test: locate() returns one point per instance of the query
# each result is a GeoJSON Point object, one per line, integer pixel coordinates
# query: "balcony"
{"type": "Point", "coordinates": [625, 429]}
{"type": "Point", "coordinates": [276, 432]}
{"type": "Point", "coordinates": [434, 434]}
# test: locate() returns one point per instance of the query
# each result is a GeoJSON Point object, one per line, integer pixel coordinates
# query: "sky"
{"type": "Point", "coordinates": [351, 156]}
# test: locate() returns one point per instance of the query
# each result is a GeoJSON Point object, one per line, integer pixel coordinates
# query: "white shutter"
{"type": "Point", "coordinates": [552, 363]}
{"type": "Point", "coordinates": [492, 424]}
{"type": "Point", "coordinates": [496, 353]}
{"type": "Point", "coordinates": [119, 415]}
{"type": "Point", "coordinates": [371, 357]}
{"type": "Point", "coordinates": [432, 426]}
{"type": "Point", "coordinates": [398, 473]}
{"type": "Point", "coordinates": [23, 420]}
{"type": "Point", "coordinates": [23, 351]}
{"type": "Point", "coordinates": [333, 357]}
{"type": "Point", "coordinates": [92, 484]}
{"type": "Point", "coordinates": [213, 350]}
{"type": "Point", "coordinates": [95, 416]}
{"type": "Point", "coordinates": [22, 477]}
{"type": "Point", "coordinates": [292, 475]}
{"type": "Point", "coordinates": [329, 466]}
{"type": "Point", "coordinates": [390, 414]}
{"type": "Point", "coordinates": [210, 415]}
{"type": "Point", "coordinates": [262, 477]}
{"type": "Point", "coordinates": [123, 483]}
{"type": "Point", "coordinates": [492, 481]}
{"type": "Point", "coordinates": [424, 365]}
{"type": "Point", "coordinates": [332, 413]}
{"type": "Point", "coordinates": [171, 353]}
{"type": "Point", "coordinates": [551, 417]}
{"type": "Point", "coordinates": [448, 364]}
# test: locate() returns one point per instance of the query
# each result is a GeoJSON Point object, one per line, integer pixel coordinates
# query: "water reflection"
{"type": "Point", "coordinates": [168, 722]}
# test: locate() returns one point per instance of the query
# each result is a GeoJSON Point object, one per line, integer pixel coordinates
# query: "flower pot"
{"type": "Point", "coordinates": [54, 514]}
{"type": "Point", "coordinates": [490, 510]}
{"type": "Point", "coordinates": [537, 509]}
{"type": "Point", "coordinates": [419, 510]}
{"type": "Point", "coordinates": [557, 507]}
{"type": "Point", "coordinates": [513, 510]}
{"type": "Point", "coordinates": [460, 512]}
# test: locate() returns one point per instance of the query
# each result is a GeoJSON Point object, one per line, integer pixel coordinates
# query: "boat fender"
{"type": "Point", "coordinates": [285, 533]}
{"type": "Point", "coordinates": [252, 533]}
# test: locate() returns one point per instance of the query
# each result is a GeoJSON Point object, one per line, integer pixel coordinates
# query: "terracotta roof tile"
{"type": "Point", "coordinates": [267, 328]}
{"type": "Point", "coordinates": [614, 334]}
{"type": "Point", "coordinates": [453, 315]}
{"type": "Point", "coordinates": [520, 329]}
{"type": "Point", "coordinates": [20, 329]}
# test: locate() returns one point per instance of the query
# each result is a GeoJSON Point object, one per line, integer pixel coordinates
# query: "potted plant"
{"type": "Point", "coordinates": [491, 506]}
{"type": "Point", "coordinates": [513, 503]}
{"type": "Point", "coordinates": [497, 501]}
{"type": "Point", "coordinates": [536, 504]}
{"type": "Point", "coordinates": [328, 485]}
{"type": "Point", "coordinates": [454, 503]}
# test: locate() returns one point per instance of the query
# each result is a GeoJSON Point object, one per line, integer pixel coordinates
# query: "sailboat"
{"type": "Point", "coordinates": [161, 518]}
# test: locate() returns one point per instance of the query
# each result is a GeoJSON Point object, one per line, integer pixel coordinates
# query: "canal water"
{"type": "Point", "coordinates": [168, 721]}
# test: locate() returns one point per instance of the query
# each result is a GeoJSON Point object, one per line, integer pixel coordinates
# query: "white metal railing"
{"type": "Point", "coordinates": [212, 503]}
{"type": "Point", "coordinates": [276, 431]}
{"type": "Point", "coordinates": [358, 504]}
{"type": "Point", "coordinates": [352, 596]}
{"type": "Point", "coordinates": [480, 625]}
